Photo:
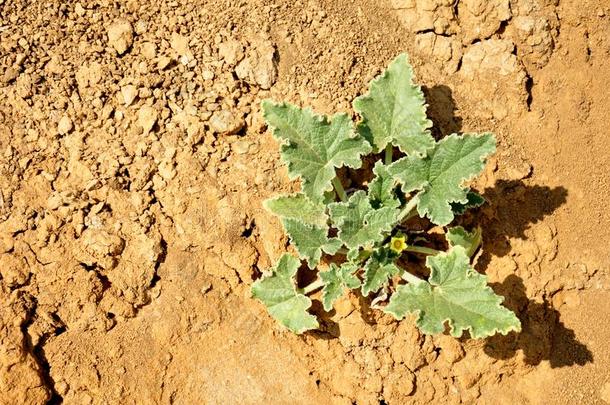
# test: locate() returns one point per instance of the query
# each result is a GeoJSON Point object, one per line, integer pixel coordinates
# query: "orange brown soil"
{"type": "Point", "coordinates": [134, 159]}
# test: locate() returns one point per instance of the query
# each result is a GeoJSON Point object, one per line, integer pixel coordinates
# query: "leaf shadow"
{"type": "Point", "coordinates": [329, 329]}
{"type": "Point", "coordinates": [442, 110]}
{"type": "Point", "coordinates": [512, 207]}
{"type": "Point", "coordinates": [543, 335]}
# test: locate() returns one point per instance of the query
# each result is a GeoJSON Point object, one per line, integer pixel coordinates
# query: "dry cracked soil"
{"type": "Point", "coordinates": [134, 159]}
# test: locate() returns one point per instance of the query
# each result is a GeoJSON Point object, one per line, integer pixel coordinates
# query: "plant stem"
{"type": "Point", "coordinates": [421, 249]}
{"type": "Point", "coordinates": [388, 154]}
{"type": "Point", "coordinates": [339, 189]}
{"type": "Point", "coordinates": [319, 283]}
{"type": "Point", "coordinates": [365, 254]}
{"type": "Point", "coordinates": [411, 278]}
{"type": "Point", "coordinates": [410, 215]}
{"type": "Point", "coordinates": [476, 243]}
{"type": "Point", "coordinates": [409, 209]}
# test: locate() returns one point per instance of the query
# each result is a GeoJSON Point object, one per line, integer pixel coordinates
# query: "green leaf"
{"type": "Point", "coordinates": [358, 223]}
{"type": "Point", "coordinates": [298, 207]}
{"type": "Point", "coordinates": [394, 111]}
{"type": "Point", "coordinates": [470, 241]}
{"type": "Point", "coordinates": [381, 188]}
{"type": "Point", "coordinates": [455, 293]}
{"type": "Point", "coordinates": [312, 146]}
{"type": "Point", "coordinates": [336, 280]}
{"type": "Point", "coordinates": [310, 240]}
{"type": "Point", "coordinates": [358, 255]}
{"type": "Point", "coordinates": [353, 254]}
{"type": "Point", "coordinates": [440, 176]}
{"type": "Point", "coordinates": [305, 223]}
{"type": "Point", "coordinates": [378, 271]}
{"type": "Point", "coordinates": [283, 301]}
{"type": "Point", "coordinates": [329, 196]}
{"type": "Point", "coordinates": [473, 200]}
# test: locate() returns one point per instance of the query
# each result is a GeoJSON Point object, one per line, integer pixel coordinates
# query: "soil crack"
{"type": "Point", "coordinates": [38, 353]}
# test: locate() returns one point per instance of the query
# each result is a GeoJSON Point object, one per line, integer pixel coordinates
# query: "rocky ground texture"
{"type": "Point", "coordinates": [134, 159]}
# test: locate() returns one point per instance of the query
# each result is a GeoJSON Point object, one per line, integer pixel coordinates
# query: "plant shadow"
{"type": "Point", "coordinates": [543, 335]}
{"type": "Point", "coordinates": [441, 110]}
{"type": "Point", "coordinates": [329, 329]}
{"type": "Point", "coordinates": [512, 207]}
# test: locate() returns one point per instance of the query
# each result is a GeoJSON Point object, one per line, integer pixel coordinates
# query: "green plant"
{"type": "Point", "coordinates": [370, 239]}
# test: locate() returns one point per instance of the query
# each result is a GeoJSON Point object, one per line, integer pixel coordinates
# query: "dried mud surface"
{"type": "Point", "coordinates": [134, 159]}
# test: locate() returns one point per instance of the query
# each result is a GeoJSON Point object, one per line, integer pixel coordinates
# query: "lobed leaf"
{"type": "Point", "coordinates": [358, 223]}
{"type": "Point", "coordinates": [378, 271]}
{"type": "Point", "coordinates": [473, 200]}
{"type": "Point", "coordinates": [394, 111]}
{"type": "Point", "coordinates": [440, 176]}
{"type": "Point", "coordinates": [470, 241]}
{"type": "Point", "coordinates": [310, 240]}
{"type": "Point", "coordinates": [457, 294]}
{"type": "Point", "coordinates": [336, 281]}
{"type": "Point", "coordinates": [381, 188]}
{"type": "Point", "coordinates": [283, 301]}
{"type": "Point", "coordinates": [297, 207]}
{"type": "Point", "coordinates": [353, 254]}
{"type": "Point", "coordinates": [312, 146]}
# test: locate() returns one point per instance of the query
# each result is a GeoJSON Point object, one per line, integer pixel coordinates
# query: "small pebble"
{"type": "Point", "coordinates": [179, 43]}
{"type": "Point", "coordinates": [148, 50]}
{"type": "Point", "coordinates": [207, 75]}
{"type": "Point", "coordinates": [120, 36]}
{"type": "Point", "coordinates": [163, 62]}
{"type": "Point", "coordinates": [231, 52]}
{"type": "Point", "coordinates": [129, 93]}
{"type": "Point", "coordinates": [226, 122]}
{"type": "Point", "coordinates": [147, 116]}
{"type": "Point", "coordinates": [241, 147]}
{"type": "Point", "coordinates": [10, 74]}
{"type": "Point", "coordinates": [65, 125]}
{"type": "Point", "coordinates": [79, 10]}
{"type": "Point", "coordinates": [141, 27]}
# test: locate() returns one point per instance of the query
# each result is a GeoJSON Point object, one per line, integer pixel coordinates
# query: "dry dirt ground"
{"type": "Point", "coordinates": [134, 159]}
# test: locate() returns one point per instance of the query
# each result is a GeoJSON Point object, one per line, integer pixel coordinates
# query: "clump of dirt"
{"type": "Point", "coordinates": [134, 159]}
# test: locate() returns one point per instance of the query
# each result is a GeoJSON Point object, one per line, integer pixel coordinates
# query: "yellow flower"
{"type": "Point", "coordinates": [398, 244]}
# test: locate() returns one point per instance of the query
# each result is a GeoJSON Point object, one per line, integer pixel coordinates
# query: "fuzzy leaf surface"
{"type": "Point", "coordinates": [377, 271]}
{"type": "Point", "coordinates": [353, 254]}
{"type": "Point", "coordinates": [297, 207]}
{"type": "Point", "coordinates": [473, 200]}
{"type": "Point", "coordinates": [279, 294]}
{"type": "Point", "coordinates": [336, 281]}
{"type": "Point", "coordinates": [310, 240]}
{"type": "Point", "coordinates": [440, 175]}
{"type": "Point", "coordinates": [455, 293]}
{"type": "Point", "coordinates": [381, 188]}
{"type": "Point", "coordinates": [394, 111]}
{"type": "Point", "coordinates": [359, 224]}
{"type": "Point", "coordinates": [313, 146]}
{"type": "Point", "coordinates": [470, 241]}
